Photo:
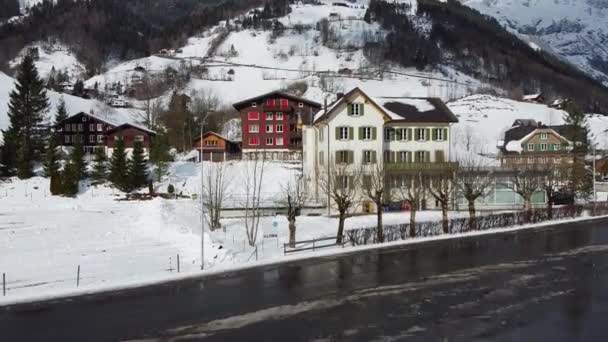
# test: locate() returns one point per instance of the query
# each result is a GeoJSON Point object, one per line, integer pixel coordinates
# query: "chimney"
{"type": "Point", "coordinates": [325, 105]}
{"type": "Point", "coordinates": [339, 96]}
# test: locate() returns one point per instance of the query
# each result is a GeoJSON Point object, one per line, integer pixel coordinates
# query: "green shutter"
{"type": "Point", "coordinates": [427, 156]}
{"type": "Point", "coordinates": [351, 157]}
{"type": "Point", "coordinates": [374, 133]}
{"type": "Point", "coordinates": [351, 133]}
{"type": "Point", "coordinates": [445, 134]}
{"type": "Point", "coordinates": [394, 156]}
{"type": "Point", "coordinates": [363, 157]}
{"type": "Point", "coordinates": [360, 133]}
{"type": "Point", "coordinates": [337, 157]}
{"type": "Point", "coordinates": [374, 157]}
{"type": "Point", "coordinates": [434, 134]}
{"type": "Point", "coordinates": [427, 135]}
{"type": "Point", "coordinates": [409, 134]}
{"type": "Point", "coordinates": [349, 109]}
{"type": "Point", "coordinates": [337, 133]}
{"type": "Point", "coordinates": [361, 109]}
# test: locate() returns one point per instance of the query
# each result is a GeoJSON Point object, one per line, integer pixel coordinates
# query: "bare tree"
{"type": "Point", "coordinates": [342, 183]}
{"type": "Point", "coordinates": [440, 187]}
{"type": "Point", "coordinates": [253, 176]}
{"type": "Point", "coordinates": [294, 196]}
{"type": "Point", "coordinates": [526, 182]}
{"type": "Point", "coordinates": [556, 179]}
{"type": "Point", "coordinates": [412, 190]}
{"type": "Point", "coordinates": [373, 184]}
{"type": "Point", "coordinates": [472, 182]}
{"type": "Point", "coordinates": [217, 183]}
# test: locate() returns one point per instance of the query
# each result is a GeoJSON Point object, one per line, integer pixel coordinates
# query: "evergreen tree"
{"type": "Point", "coordinates": [77, 160]}
{"type": "Point", "coordinates": [118, 167]}
{"type": "Point", "coordinates": [62, 111]}
{"type": "Point", "coordinates": [160, 156]}
{"type": "Point", "coordinates": [51, 159]}
{"type": "Point", "coordinates": [26, 112]}
{"type": "Point", "coordinates": [70, 180]}
{"type": "Point", "coordinates": [100, 167]}
{"type": "Point", "coordinates": [581, 182]}
{"type": "Point", "coordinates": [138, 167]}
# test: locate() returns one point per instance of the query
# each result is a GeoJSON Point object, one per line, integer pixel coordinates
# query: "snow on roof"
{"type": "Point", "coordinates": [531, 96]}
{"type": "Point", "coordinates": [514, 146]}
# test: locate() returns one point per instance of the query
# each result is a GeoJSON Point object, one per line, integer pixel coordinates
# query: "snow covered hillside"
{"type": "Point", "coordinates": [249, 62]}
{"type": "Point", "coordinates": [577, 30]}
{"type": "Point", "coordinates": [53, 55]}
{"type": "Point", "coordinates": [73, 103]}
{"type": "Point", "coordinates": [483, 119]}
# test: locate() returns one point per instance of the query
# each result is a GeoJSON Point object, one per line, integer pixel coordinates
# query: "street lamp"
{"type": "Point", "coordinates": [202, 194]}
{"type": "Point", "coordinates": [328, 175]}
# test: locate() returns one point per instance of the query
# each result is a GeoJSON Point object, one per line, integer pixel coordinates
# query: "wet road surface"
{"type": "Point", "coordinates": [545, 284]}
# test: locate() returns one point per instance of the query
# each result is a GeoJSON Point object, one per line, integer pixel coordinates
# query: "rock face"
{"type": "Point", "coordinates": [576, 30]}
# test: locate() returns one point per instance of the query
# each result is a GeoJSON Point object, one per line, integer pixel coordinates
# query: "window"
{"type": "Point", "coordinates": [139, 138]}
{"type": "Point", "coordinates": [269, 128]}
{"type": "Point", "coordinates": [355, 109]}
{"type": "Point", "coordinates": [67, 139]}
{"type": "Point", "coordinates": [543, 136]}
{"type": "Point", "coordinates": [100, 138]}
{"type": "Point", "coordinates": [116, 138]}
{"type": "Point", "coordinates": [366, 133]}
{"type": "Point", "coordinates": [369, 157]}
{"type": "Point", "coordinates": [389, 134]}
{"type": "Point", "coordinates": [556, 147]}
{"type": "Point", "coordinates": [284, 103]}
{"type": "Point", "coordinates": [80, 127]}
{"type": "Point", "coordinates": [405, 157]}
{"type": "Point", "coordinates": [99, 127]}
{"type": "Point", "coordinates": [269, 102]}
{"type": "Point", "coordinates": [342, 156]}
{"type": "Point", "coordinates": [279, 116]}
{"type": "Point", "coordinates": [439, 156]}
{"type": "Point", "coordinates": [269, 141]}
{"type": "Point", "coordinates": [420, 134]}
{"type": "Point", "coordinates": [268, 115]}
{"type": "Point", "coordinates": [74, 127]}
{"type": "Point", "coordinates": [211, 143]}
{"type": "Point", "coordinates": [67, 127]}
{"type": "Point", "coordinates": [254, 141]}
{"type": "Point", "coordinates": [253, 116]}
{"type": "Point", "coordinates": [321, 158]}
{"type": "Point", "coordinates": [91, 138]}
{"type": "Point", "coordinates": [421, 157]}
{"type": "Point", "coordinates": [439, 134]}
{"type": "Point", "coordinates": [342, 181]}
{"type": "Point", "coordinates": [543, 147]}
{"type": "Point", "coordinates": [91, 127]}
{"type": "Point", "coordinates": [254, 105]}
{"type": "Point", "coordinates": [279, 141]}
{"type": "Point", "coordinates": [279, 128]}
{"type": "Point", "coordinates": [84, 119]}
{"type": "Point", "coordinates": [530, 147]}
{"type": "Point", "coordinates": [254, 128]}
{"type": "Point", "coordinates": [301, 105]}
{"type": "Point", "coordinates": [401, 134]}
{"type": "Point", "coordinates": [343, 133]}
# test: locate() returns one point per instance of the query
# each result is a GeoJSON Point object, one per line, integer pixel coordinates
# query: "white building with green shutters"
{"type": "Point", "coordinates": [406, 135]}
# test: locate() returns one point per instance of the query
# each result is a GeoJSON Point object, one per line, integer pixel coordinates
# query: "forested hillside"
{"type": "Point", "coordinates": [117, 29]}
{"type": "Point", "coordinates": [8, 9]}
{"type": "Point", "coordinates": [453, 34]}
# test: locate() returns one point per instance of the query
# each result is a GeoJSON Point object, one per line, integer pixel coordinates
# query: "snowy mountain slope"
{"type": "Point", "coordinates": [51, 55]}
{"type": "Point", "coordinates": [576, 30]}
{"type": "Point", "coordinates": [74, 105]}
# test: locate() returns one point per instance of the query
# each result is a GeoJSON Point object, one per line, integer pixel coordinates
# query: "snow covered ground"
{"type": "Point", "coordinates": [53, 54]}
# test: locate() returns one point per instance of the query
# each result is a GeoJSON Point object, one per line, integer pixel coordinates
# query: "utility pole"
{"type": "Point", "coordinates": [594, 188]}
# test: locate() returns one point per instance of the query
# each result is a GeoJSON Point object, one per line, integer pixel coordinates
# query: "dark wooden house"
{"type": "Point", "coordinates": [216, 147]}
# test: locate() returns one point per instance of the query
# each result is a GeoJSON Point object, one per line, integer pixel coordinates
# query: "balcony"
{"type": "Point", "coordinates": [418, 166]}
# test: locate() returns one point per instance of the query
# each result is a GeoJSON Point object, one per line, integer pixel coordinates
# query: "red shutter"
{"type": "Point", "coordinates": [284, 103]}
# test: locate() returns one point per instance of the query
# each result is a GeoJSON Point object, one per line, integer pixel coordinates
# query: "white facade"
{"type": "Point", "coordinates": [369, 132]}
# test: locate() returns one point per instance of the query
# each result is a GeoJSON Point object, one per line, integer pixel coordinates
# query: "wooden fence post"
{"type": "Point", "coordinates": [3, 284]}
{"type": "Point", "coordinates": [177, 263]}
{"type": "Point", "coordinates": [78, 276]}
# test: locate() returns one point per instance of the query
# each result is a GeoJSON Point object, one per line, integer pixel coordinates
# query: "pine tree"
{"type": "Point", "coordinates": [100, 167]}
{"type": "Point", "coordinates": [51, 159]}
{"type": "Point", "coordinates": [62, 111]}
{"type": "Point", "coordinates": [26, 112]}
{"type": "Point", "coordinates": [118, 167]}
{"type": "Point", "coordinates": [138, 167]}
{"type": "Point", "coordinates": [581, 182]}
{"type": "Point", "coordinates": [160, 156]}
{"type": "Point", "coordinates": [70, 180]}
{"type": "Point", "coordinates": [78, 161]}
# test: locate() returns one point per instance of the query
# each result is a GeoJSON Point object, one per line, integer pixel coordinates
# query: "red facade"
{"type": "Point", "coordinates": [87, 129]}
{"type": "Point", "coordinates": [273, 121]}
{"type": "Point", "coordinates": [130, 134]}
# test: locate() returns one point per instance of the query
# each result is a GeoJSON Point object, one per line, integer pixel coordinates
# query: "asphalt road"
{"type": "Point", "coordinates": [547, 284]}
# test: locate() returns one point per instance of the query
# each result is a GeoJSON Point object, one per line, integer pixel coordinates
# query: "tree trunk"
{"type": "Point", "coordinates": [413, 221]}
{"type": "Point", "coordinates": [379, 231]}
{"type": "Point", "coordinates": [292, 232]}
{"type": "Point", "coordinates": [341, 220]}
{"type": "Point", "coordinates": [549, 205]}
{"type": "Point", "coordinates": [472, 217]}
{"type": "Point", "coordinates": [444, 217]}
{"type": "Point", "coordinates": [527, 209]}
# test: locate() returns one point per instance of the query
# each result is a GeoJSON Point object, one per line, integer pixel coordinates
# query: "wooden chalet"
{"type": "Point", "coordinates": [215, 147]}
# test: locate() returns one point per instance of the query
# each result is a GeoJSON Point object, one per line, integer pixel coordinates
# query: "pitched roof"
{"type": "Point", "coordinates": [522, 128]}
{"type": "Point", "coordinates": [402, 109]}
{"type": "Point", "coordinates": [277, 93]}
{"type": "Point", "coordinates": [128, 124]}
{"type": "Point", "coordinates": [213, 133]}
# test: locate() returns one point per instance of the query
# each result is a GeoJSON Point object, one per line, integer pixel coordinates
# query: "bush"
{"type": "Point", "coordinates": [171, 189]}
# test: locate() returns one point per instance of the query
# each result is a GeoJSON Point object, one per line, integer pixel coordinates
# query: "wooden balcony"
{"type": "Point", "coordinates": [418, 166]}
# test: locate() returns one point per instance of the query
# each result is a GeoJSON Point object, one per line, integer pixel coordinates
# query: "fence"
{"type": "Point", "coordinates": [364, 236]}
{"type": "Point", "coordinates": [307, 245]}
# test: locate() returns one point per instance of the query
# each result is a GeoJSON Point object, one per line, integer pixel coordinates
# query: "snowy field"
{"type": "Point", "coordinates": [44, 239]}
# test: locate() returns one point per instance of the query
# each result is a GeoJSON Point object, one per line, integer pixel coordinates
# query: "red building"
{"type": "Point", "coordinates": [87, 129]}
{"type": "Point", "coordinates": [130, 134]}
{"type": "Point", "coordinates": [271, 125]}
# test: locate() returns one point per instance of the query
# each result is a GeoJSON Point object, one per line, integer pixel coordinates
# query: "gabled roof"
{"type": "Point", "coordinates": [277, 93]}
{"type": "Point", "coordinates": [94, 116]}
{"type": "Point", "coordinates": [128, 124]}
{"type": "Point", "coordinates": [208, 133]}
{"type": "Point", "coordinates": [401, 109]}
{"type": "Point", "coordinates": [524, 129]}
